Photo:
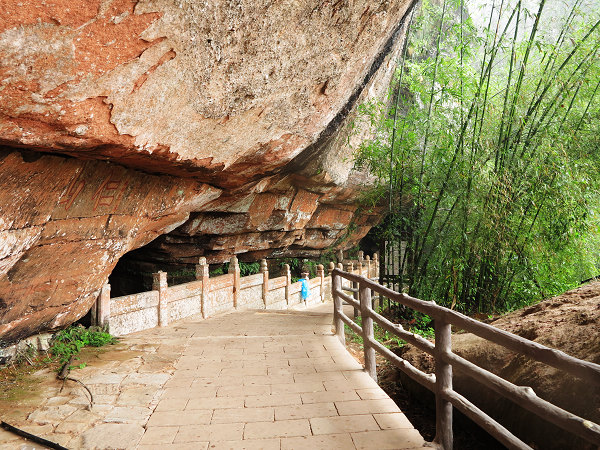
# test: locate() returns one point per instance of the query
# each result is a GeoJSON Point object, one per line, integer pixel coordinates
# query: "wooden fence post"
{"type": "Point", "coordinates": [374, 295]}
{"type": "Point", "coordinates": [265, 286]}
{"type": "Point", "coordinates": [202, 274]}
{"type": "Point", "coordinates": [330, 272]}
{"type": "Point", "coordinates": [367, 327]}
{"type": "Point", "coordinates": [234, 268]}
{"type": "Point", "coordinates": [443, 376]}
{"type": "Point", "coordinates": [288, 283]}
{"type": "Point", "coordinates": [321, 275]}
{"type": "Point", "coordinates": [354, 285]}
{"type": "Point", "coordinates": [103, 312]}
{"type": "Point", "coordinates": [159, 283]}
{"type": "Point", "coordinates": [336, 285]}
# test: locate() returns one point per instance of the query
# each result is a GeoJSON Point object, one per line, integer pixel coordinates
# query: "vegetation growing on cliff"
{"type": "Point", "coordinates": [68, 343]}
{"type": "Point", "coordinates": [15, 377]}
{"type": "Point", "coordinates": [487, 152]}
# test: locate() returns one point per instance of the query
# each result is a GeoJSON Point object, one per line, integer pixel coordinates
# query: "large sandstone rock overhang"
{"type": "Point", "coordinates": [217, 127]}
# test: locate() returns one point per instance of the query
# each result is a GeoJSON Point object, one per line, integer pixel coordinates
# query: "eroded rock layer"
{"type": "Point", "coordinates": [74, 220]}
{"type": "Point", "coordinates": [229, 90]}
{"type": "Point", "coordinates": [219, 126]}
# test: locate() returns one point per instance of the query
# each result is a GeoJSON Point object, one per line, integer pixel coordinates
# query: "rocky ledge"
{"type": "Point", "coordinates": [217, 127]}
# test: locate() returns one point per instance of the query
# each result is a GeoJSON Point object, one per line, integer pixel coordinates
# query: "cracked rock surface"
{"type": "Point", "coordinates": [220, 127]}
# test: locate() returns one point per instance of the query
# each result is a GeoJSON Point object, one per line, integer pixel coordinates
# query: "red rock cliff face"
{"type": "Point", "coordinates": [219, 126]}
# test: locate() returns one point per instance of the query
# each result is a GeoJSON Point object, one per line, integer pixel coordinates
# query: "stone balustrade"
{"type": "Point", "coordinates": [210, 296]}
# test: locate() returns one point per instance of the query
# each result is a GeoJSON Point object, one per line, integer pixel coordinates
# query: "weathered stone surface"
{"type": "Point", "coordinates": [51, 414]}
{"type": "Point", "coordinates": [231, 89]}
{"type": "Point", "coordinates": [233, 112]}
{"type": "Point", "coordinates": [110, 435]}
{"type": "Point", "coordinates": [74, 220]}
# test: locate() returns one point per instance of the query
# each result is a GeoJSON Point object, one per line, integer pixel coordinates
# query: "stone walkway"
{"type": "Point", "coordinates": [246, 380]}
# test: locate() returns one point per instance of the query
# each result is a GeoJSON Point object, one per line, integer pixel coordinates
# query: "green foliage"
{"type": "Point", "coordinates": [221, 270]}
{"type": "Point", "coordinates": [419, 324]}
{"type": "Point", "coordinates": [299, 266]}
{"type": "Point", "coordinates": [245, 269]}
{"type": "Point", "coordinates": [70, 341]}
{"type": "Point", "coordinates": [486, 152]}
{"type": "Point", "coordinates": [178, 277]}
{"type": "Point", "coordinates": [249, 268]}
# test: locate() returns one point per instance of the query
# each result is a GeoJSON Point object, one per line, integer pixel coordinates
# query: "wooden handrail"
{"type": "Point", "coordinates": [585, 370]}
{"type": "Point", "coordinates": [527, 398]}
{"type": "Point", "coordinates": [505, 437]}
{"type": "Point", "coordinates": [418, 341]}
{"type": "Point", "coordinates": [348, 299]}
{"type": "Point", "coordinates": [441, 383]}
{"type": "Point", "coordinates": [426, 379]}
{"type": "Point", "coordinates": [349, 289]}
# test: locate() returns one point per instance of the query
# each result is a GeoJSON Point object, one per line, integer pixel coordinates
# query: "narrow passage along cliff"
{"type": "Point", "coordinates": [207, 128]}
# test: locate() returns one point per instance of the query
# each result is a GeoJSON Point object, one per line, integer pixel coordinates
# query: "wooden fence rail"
{"type": "Point", "coordinates": [446, 361]}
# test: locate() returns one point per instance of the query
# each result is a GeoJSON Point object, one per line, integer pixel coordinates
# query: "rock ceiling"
{"type": "Point", "coordinates": [207, 128]}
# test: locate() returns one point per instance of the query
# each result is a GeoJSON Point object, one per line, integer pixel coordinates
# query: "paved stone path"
{"type": "Point", "coordinates": [246, 380]}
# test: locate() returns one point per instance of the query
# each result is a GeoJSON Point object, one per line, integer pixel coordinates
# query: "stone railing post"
{"type": "Point", "coordinates": [288, 282]}
{"type": "Point", "coordinates": [376, 264]}
{"type": "Point", "coordinates": [368, 275]}
{"type": "Point", "coordinates": [321, 276]}
{"type": "Point", "coordinates": [349, 266]}
{"type": "Point", "coordinates": [103, 307]}
{"type": "Point", "coordinates": [202, 274]}
{"type": "Point", "coordinates": [264, 268]}
{"type": "Point", "coordinates": [234, 268]}
{"type": "Point", "coordinates": [159, 283]}
{"type": "Point", "coordinates": [361, 259]}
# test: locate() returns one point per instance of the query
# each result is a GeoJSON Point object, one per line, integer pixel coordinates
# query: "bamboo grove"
{"type": "Point", "coordinates": [486, 152]}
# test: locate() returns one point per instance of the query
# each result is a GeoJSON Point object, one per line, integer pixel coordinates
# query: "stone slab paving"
{"type": "Point", "coordinates": [245, 380]}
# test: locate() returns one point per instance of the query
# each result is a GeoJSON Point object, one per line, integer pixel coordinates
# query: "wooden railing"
{"type": "Point", "coordinates": [445, 361]}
